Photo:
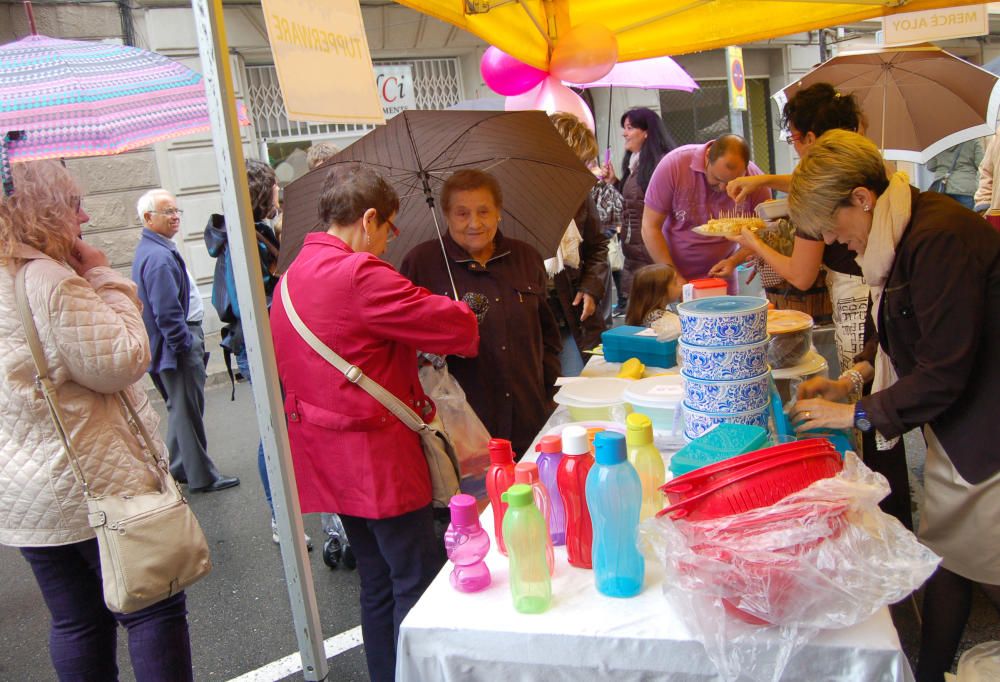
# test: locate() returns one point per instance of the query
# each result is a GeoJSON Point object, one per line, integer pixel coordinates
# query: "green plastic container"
{"type": "Point", "coordinates": [721, 443]}
{"type": "Point", "coordinates": [526, 536]}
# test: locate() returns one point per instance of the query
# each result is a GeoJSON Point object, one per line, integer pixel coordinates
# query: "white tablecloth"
{"type": "Point", "coordinates": [450, 636]}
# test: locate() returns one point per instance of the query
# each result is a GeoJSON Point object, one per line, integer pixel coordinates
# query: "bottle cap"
{"type": "Point", "coordinates": [549, 444]}
{"type": "Point", "coordinates": [526, 472]}
{"type": "Point", "coordinates": [500, 452]}
{"type": "Point", "coordinates": [640, 429]}
{"type": "Point", "coordinates": [518, 495]}
{"type": "Point", "coordinates": [574, 441]}
{"type": "Point", "coordinates": [463, 510]}
{"type": "Point", "coordinates": [610, 448]}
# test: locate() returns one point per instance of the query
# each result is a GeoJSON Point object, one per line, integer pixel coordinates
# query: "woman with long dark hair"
{"type": "Point", "coordinates": [646, 142]}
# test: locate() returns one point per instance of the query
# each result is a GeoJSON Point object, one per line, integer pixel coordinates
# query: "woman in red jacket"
{"type": "Point", "coordinates": [351, 455]}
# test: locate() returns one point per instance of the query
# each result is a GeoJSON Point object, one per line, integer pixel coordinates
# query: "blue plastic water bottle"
{"type": "Point", "coordinates": [614, 497]}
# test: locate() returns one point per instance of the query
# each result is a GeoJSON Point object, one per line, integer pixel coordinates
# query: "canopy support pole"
{"type": "Point", "coordinates": [214, 50]}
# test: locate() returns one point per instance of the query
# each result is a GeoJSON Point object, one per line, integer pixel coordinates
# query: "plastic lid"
{"type": "Point", "coordinates": [575, 441]}
{"type": "Point", "coordinates": [518, 495]}
{"type": "Point", "coordinates": [788, 321]}
{"type": "Point", "coordinates": [550, 445]}
{"type": "Point", "coordinates": [665, 391]}
{"type": "Point", "coordinates": [609, 448]}
{"type": "Point", "coordinates": [526, 472]}
{"type": "Point", "coordinates": [722, 305]}
{"type": "Point", "coordinates": [463, 510]}
{"type": "Point", "coordinates": [640, 429]}
{"type": "Point", "coordinates": [709, 283]}
{"type": "Point", "coordinates": [500, 451]}
{"type": "Point", "coordinates": [593, 392]}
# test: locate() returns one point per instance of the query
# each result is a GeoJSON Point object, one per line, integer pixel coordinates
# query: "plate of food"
{"type": "Point", "coordinates": [729, 226]}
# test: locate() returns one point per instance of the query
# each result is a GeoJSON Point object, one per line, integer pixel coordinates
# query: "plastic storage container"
{"type": "Point", "coordinates": [526, 473]}
{"type": "Point", "coordinates": [598, 398]}
{"type": "Point", "coordinates": [524, 528]}
{"type": "Point", "coordinates": [499, 477]}
{"type": "Point", "coordinates": [723, 363]}
{"type": "Point", "coordinates": [721, 443]}
{"type": "Point", "coordinates": [549, 450]}
{"type": "Point", "coordinates": [659, 398]}
{"type": "Point", "coordinates": [704, 288]}
{"type": "Point", "coordinates": [614, 498]}
{"type": "Point", "coordinates": [723, 321]}
{"type": "Point", "coordinates": [791, 337]}
{"type": "Point", "coordinates": [648, 463]}
{"type": "Point", "coordinates": [697, 422]}
{"type": "Point", "coordinates": [622, 343]}
{"type": "Point", "coordinates": [467, 544]}
{"type": "Point", "coordinates": [572, 477]}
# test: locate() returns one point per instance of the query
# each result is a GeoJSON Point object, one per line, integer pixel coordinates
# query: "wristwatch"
{"type": "Point", "coordinates": [861, 420]}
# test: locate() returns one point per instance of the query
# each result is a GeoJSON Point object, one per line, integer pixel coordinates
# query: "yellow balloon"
{"type": "Point", "coordinates": [584, 54]}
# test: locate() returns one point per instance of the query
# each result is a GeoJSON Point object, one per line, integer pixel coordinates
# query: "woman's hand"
{"type": "Point", "coordinates": [589, 304]}
{"type": "Point", "coordinates": [747, 239]}
{"type": "Point", "coordinates": [85, 257]}
{"type": "Point", "coordinates": [817, 413]}
{"type": "Point", "coordinates": [828, 389]}
{"type": "Point", "coordinates": [741, 188]}
{"type": "Point", "coordinates": [608, 174]}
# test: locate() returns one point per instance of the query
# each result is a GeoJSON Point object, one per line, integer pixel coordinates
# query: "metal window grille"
{"type": "Point", "coordinates": [437, 85]}
{"type": "Point", "coordinates": [703, 115]}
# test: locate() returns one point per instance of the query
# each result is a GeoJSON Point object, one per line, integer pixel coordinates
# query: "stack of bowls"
{"type": "Point", "coordinates": [723, 355]}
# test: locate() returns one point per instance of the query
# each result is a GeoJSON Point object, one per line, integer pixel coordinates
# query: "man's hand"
{"type": "Point", "coordinates": [589, 304]}
{"type": "Point", "coordinates": [85, 257]}
{"type": "Point", "coordinates": [723, 269]}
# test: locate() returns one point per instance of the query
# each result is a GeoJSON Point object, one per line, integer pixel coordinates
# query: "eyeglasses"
{"type": "Point", "coordinates": [170, 212]}
{"type": "Point", "coordinates": [792, 138]}
{"type": "Point", "coordinates": [393, 231]}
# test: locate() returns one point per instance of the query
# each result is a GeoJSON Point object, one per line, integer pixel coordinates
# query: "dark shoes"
{"type": "Point", "coordinates": [221, 483]}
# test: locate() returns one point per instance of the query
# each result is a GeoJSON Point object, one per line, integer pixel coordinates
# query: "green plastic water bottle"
{"type": "Point", "coordinates": [526, 537]}
{"type": "Point", "coordinates": [648, 462]}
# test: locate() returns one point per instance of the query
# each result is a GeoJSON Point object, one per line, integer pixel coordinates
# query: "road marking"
{"type": "Point", "coordinates": [291, 664]}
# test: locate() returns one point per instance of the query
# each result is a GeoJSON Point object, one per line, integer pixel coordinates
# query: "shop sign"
{"type": "Point", "coordinates": [935, 24]}
{"type": "Point", "coordinates": [321, 56]}
{"type": "Point", "coordinates": [737, 79]}
{"type": "Point", "coordinates": [395, 88]}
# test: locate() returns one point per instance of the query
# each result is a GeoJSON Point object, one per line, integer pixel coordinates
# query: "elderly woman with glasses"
{"type": "Point", "coordinates": [352, 456]}
{"type": "Point", "coordinates": [934, 271]}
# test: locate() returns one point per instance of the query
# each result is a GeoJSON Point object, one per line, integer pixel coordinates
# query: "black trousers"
{"type": "Point", "coordinates": [397, 558]}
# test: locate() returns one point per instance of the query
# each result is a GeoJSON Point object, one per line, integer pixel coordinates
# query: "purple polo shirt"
{"type": "Point", "coordinates": [679, 188]}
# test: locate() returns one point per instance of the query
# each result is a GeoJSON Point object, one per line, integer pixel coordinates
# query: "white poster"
{"type": "Point", "coordinates": [395, 88]}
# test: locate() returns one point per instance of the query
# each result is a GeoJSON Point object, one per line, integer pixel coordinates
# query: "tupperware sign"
{"type": "Point", "coordinates": [395, 88]}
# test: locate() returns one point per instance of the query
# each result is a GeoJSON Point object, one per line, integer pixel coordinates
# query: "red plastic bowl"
{"type": "Point", "coordinates": [758, 485]}
{"type": "Point", "coordinates": [700, 480]}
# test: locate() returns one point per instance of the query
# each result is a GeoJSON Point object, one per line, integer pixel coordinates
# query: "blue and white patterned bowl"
{"type": "Point", "coordinates": [723, 321]}
{"type": "Point", "coordinates": [727, 396]}
{"type": "Point", "coordinates": [697, 422]}
{"type": "Point", "coordinates": [723, 363]}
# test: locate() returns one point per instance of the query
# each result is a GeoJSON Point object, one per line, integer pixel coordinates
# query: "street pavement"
{"type": "Point", "coordinates": [239, 615]}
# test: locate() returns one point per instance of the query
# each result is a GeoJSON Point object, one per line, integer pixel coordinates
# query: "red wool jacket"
{"type": "Point", "coordinates": [351, 455]}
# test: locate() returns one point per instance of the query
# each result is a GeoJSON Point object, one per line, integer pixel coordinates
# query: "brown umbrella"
{"type": "Point", "coordinates": [542, 179]}
{"type": "Point", "coordinates": [918, 100]}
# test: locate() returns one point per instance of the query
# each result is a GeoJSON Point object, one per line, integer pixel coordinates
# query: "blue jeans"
{"type": "Point", "coordinates": [244, 365]}
{"type": "Point", "coordinates": [964, 199]}
{"type": "Point", "coordinates": [84, 637]}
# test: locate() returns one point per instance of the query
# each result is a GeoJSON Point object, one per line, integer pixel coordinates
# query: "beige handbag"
{"type": "Point", "coordinates": [438, 448]}
{"type": "Point", "coordinates": [151, 545]}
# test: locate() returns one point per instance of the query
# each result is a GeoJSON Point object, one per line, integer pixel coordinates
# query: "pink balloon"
{"type": "Point", "coordinates": [506, 75]}
{"type": "Point", "coordinates": [588, 52]}
{"type": "Point", "coordinates": [551, 96]}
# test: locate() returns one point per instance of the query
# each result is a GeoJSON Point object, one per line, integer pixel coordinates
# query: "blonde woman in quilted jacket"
{"type": "Point", "coordinates": [95, 343]}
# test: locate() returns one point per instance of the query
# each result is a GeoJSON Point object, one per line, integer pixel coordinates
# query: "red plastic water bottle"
{"type": "Point", "coordinates": [499, 477]}
{"type": "Point", "coordinates": [527, 473]}
{"type": "Point", "coordinates": [572, 478]}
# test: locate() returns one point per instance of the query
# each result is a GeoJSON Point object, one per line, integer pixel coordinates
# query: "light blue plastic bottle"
{"type": "Point", "coordinates": [614, 497]}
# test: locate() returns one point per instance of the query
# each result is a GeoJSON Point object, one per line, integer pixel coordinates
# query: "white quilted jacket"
{"type": "Point", "coordinates": [95, 343]}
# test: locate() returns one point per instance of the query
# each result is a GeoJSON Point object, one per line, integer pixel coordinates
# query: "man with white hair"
{"type": "Point", "coordinates": [173, 311]}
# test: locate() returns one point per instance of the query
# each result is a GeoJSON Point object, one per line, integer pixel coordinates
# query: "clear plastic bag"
{"type": "Point", "coordinates": [981, 663]}
{"type": "Point", "coordinates": [469, 436]}
{"type": "Point", "coordinates": [755, 587]}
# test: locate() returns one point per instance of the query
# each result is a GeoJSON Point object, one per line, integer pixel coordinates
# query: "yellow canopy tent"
{"type": "Point", "coordinates": [526, 29]}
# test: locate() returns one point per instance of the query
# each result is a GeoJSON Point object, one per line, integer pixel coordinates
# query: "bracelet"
{"type": "Point", "coordinates": [857, 384]}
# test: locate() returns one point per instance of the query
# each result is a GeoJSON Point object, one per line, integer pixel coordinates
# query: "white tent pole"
{"type": "Point", "coordinates": [214, 49]}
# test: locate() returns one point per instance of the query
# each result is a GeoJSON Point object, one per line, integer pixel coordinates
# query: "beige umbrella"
{"type": "Point", "coordinates": [918, 100]}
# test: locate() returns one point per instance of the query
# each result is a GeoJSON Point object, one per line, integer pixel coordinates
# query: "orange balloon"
{"type": "Point", "coordinates": [584, 54]}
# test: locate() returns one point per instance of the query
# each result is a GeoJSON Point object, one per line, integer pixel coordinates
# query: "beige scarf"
{"type": "Point", "coordinates": [568, 255]}
{"type": "Point", "coordinates": [889, 221]}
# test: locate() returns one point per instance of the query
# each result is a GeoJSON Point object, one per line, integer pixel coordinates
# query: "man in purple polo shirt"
{"type": "Point", "coordinates": [687, 189]}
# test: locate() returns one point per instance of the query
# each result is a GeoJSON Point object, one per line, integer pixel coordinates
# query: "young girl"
{"type": "Point", "coordinates": [654, 288]}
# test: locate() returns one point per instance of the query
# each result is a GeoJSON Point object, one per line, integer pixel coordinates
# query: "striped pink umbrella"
{"type": "Point", "coordinates": [67, 98]}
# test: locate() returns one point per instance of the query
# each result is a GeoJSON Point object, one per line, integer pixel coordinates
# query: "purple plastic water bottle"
{"type": "Point", "coordinates": [467, 544]}
{"type": "Point", "coordinates": [549, 455]}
